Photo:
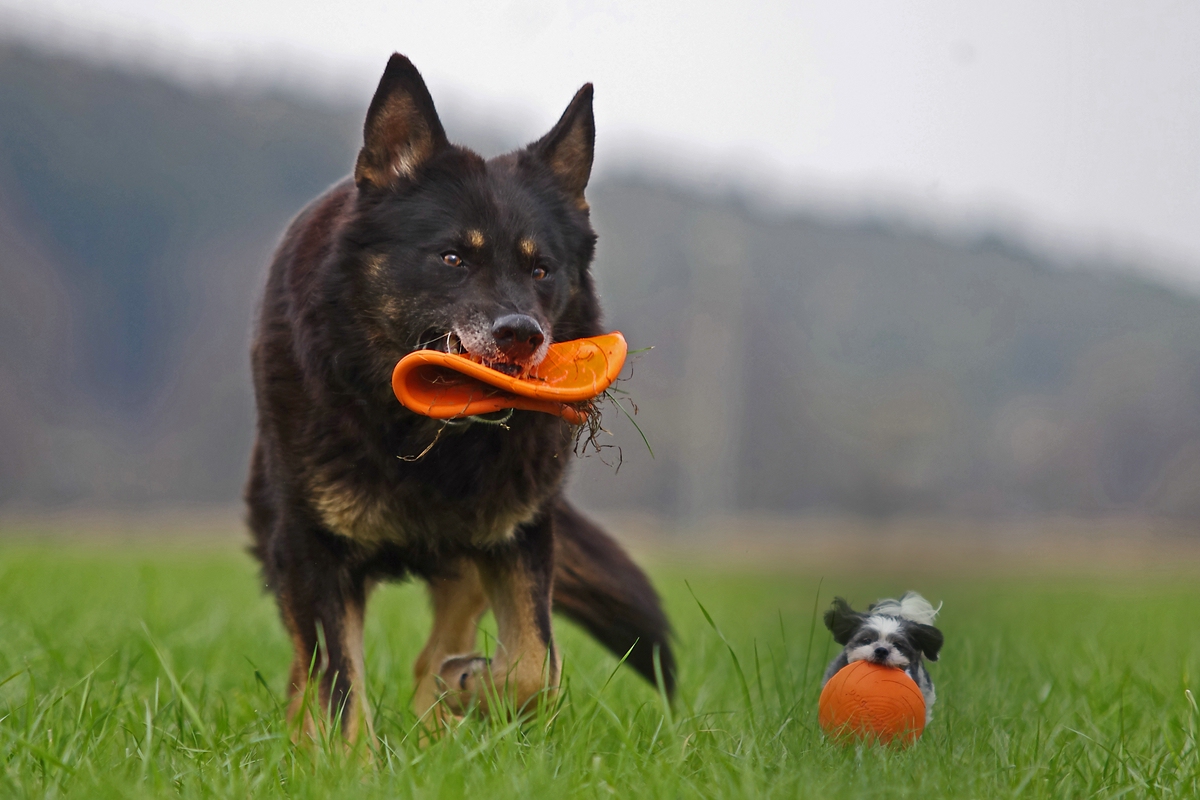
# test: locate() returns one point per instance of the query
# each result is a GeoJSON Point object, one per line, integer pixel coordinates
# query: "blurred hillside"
{"type": "Point", "coordinates": [799, 364]}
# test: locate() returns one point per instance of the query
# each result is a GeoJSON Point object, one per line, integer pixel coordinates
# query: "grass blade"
{"type": "Point", "coordinates": [737, 665]}
{"type": "Point", "coordinates": [188, 708]}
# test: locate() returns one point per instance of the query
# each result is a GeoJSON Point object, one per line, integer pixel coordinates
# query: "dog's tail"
{"type": "Point", "coordinates": [597, 585]}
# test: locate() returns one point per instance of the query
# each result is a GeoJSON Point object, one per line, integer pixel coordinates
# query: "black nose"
{"type": "Point", "coordinates": [518, 336]}
{"type": "Point", "coordinates": [881, 653]}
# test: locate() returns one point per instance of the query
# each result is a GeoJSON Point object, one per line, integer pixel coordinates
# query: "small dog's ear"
{"type": "Point", "coordinates": [842, 621]}
{"type": "Point", "coordinates": [569, 146]}
{"type": "Point", "coordinates": [402, 130]}
{"type": "Point", "coordinates": [928, 639]}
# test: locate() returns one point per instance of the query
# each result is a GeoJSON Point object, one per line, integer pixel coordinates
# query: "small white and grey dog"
{"type": "Point", "coordinates": [898, 633]}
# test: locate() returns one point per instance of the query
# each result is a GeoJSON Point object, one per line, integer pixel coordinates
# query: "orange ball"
{"type": "Point", "coordinates": [870, 701]}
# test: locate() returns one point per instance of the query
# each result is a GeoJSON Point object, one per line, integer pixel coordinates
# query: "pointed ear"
{"type": "Point", "coordinates": [842, 621]}
{"type": "Point", "coordinates": [568, 148]}
{"type": "Point", "coordinates": [929, 639]}
{"type": "Point", "coordinates": [402, 130]}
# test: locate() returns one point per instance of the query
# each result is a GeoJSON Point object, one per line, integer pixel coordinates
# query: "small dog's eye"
{"type": "Point", "coordinates": [452, 259]}
{"type": "Point", "coordinates": [540, 274]}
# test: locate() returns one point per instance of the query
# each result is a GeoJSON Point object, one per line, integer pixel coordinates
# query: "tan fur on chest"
{"type": "Point", "coordinates": [406, 517]}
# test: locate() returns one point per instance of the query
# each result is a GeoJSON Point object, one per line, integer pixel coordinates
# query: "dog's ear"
{"type": "Point", "coordinates": [402, 130]}
{"type": "Point", "coordinates": [842, 621]}
{"type": "Point", "coordinates": [928, 639]}
{"type": "Point", "coordinates": [569, 146]}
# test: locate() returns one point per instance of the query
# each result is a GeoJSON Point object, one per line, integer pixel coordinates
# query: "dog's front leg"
{"type": "Point", "coordinates": [516, 579]}
{"type": "Point", "coordinates": [458, 602]}
{"type": "Point", "coordinates": [322, 600]}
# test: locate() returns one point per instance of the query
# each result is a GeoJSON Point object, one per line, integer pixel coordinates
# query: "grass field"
{"type": "Point", "coordinates": [148, 670]}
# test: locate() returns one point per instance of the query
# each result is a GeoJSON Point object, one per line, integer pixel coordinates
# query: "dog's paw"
{"type": "Point", "coordinates": [460, 679]}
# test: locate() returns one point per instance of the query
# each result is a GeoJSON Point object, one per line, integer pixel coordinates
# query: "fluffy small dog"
{"type": "Point", "coordinates": [896, 633]}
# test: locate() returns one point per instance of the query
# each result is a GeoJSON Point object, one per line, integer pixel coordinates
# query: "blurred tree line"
{"type": "Point", "coordinates": [799, 363]}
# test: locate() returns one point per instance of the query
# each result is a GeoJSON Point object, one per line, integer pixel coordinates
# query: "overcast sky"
{"type": "Point", "coordinates": [1074, 123]}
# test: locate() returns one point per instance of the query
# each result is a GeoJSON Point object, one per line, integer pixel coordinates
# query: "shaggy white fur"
{"type": "Point", "coordinates": [910, 606]}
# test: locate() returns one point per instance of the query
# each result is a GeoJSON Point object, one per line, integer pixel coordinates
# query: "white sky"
{"type": "Point", "coordinates": [1076, 124]}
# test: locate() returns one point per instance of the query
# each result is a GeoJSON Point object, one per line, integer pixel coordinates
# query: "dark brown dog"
{"type": "Point", "coordinates": [429, 245]}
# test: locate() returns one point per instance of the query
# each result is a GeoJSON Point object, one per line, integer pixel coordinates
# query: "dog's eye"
{"type": "Point", "coordinates": [540, 273]}
{"type": "Point", "coordinates": [452, 259]}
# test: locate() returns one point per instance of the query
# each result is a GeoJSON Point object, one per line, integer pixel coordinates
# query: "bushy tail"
{"type": "Point", "coordinates": [598, 586]}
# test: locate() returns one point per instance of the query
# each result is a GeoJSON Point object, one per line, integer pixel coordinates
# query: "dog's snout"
{"type": "Point", "coordinates": [518, 336]}
{"type": "Point", "coordinates": [881, 653]}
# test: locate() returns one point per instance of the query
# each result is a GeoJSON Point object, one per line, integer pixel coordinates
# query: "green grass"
{"type": "Point", "coordinates": [145, 670]}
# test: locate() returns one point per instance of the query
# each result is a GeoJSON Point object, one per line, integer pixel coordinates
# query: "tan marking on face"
{"type": "Point", "coordinates": [528, 247]}
{"type": "Point", "coordinates": [475, 238]}
{"type": "Point", "coordinates": [391, 307]}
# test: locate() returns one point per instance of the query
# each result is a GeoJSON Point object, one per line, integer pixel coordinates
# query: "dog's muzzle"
{"type": "Point", "coordinates": [518, 337]}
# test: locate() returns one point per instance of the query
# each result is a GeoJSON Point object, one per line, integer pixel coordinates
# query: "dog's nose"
{"type": "Point", "coordinates": [881, 653]}
{"type": "Point", "coordinates": [518, 336]}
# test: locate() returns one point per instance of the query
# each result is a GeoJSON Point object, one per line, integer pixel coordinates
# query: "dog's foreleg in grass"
{"type": "Point", "coordinates": [458, 601]}
{"type": "Point", "coordinates": [516, 579]}
{"type": "Point", "coordinates": [322, 603]}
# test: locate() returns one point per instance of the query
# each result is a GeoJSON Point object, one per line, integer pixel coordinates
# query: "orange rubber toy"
{"type": "Point", "coordinates": [866, 701]}
{"type": "Point", "coordinates": [450, 386]}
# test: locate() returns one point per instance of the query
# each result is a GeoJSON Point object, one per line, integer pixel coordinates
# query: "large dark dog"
{"type": "Point", "coordinates": [432, 246]}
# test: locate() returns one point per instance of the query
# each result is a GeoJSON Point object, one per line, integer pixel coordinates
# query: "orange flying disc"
{"type": "Point", "coordinates": [449, 386]}
{"type": "Point", "coordinates": [871, 701]}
